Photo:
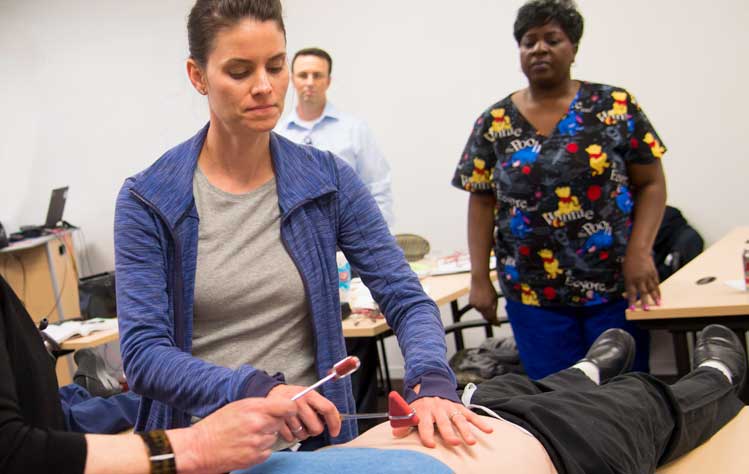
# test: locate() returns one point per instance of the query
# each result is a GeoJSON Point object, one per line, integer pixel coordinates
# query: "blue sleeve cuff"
{"type": "Point", "coordinates": [433, 385]}
{"type": "Point", "coordinates": [260, 383]}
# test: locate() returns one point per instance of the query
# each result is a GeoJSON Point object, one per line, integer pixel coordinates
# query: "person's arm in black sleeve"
{"type": "Point", "coordinates": [24, 448]}
{"type": "Point", "coordinates": [236, 436]}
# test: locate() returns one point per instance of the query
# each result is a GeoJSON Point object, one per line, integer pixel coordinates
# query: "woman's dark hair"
{"type": "Point", "coordinates": [320, 53]}
{"type": "Point", "coordinates": [540, 12]}
{"type": "Point", "coordinates": [208, 17]}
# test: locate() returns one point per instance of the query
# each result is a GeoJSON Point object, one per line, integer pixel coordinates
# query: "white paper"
{"type": "Point", "coordinates": [360, 297]}
{"type": "Point", "coordinates": [736, 284]}
{"type": "Point", "coordinates": [458, 263]}
{"type": "Point", "coordinates": [64, 331]}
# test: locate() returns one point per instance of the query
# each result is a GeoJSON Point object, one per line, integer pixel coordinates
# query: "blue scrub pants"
{"type": "Point", "coordinates": [86, 414]}
{"type": "Point", "coordinates": [552, 339]}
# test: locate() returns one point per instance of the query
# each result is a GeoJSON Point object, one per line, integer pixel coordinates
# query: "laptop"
{"type": "Point", "coordinates": [56, 207]}
{"type": "Point", "coordinates": [54, 217]}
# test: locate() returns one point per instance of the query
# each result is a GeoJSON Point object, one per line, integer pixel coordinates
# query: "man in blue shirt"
{"type": "Point", "coordinates": [314, 121]}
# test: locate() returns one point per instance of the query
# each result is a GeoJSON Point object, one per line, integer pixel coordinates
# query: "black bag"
{"type": "Point", "coordinates": [3, 237]}
{"type": "Point", "coordinates": [495, 356]}
{"type": "Point", "coordinates": [676, 243]}
{"type": "Point", "coordinates": [97, 296]}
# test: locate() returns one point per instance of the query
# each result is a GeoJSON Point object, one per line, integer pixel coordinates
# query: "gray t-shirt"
{"type": "Point", "coordinates": [250, 304]}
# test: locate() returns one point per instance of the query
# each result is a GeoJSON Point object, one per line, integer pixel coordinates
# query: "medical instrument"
{"type": "Point", "coordinates": [341, 369]}
{"type": "Point", "coordinates": [400, 414]}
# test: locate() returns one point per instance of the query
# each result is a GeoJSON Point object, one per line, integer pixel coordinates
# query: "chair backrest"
{"type": "Point", "coordinates": [675, 244]}
{"type": "Point", "coordinates": [3, 237]}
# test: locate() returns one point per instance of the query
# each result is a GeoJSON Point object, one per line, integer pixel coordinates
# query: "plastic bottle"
{"type": "Point", "coordinates": [344, 277]}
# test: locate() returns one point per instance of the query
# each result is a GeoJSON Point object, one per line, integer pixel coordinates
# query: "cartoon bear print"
{"type": "Point", "coordinates": [567, 202]}
{"type": "Point", "coordinates": [500, 121]}
{"type": "Point", "coordinates": [655, 147]}
{"type": "Point", "coordinates": [480, 173]}
{"type": "Point", "coordinates": [598, 159]}
{"type": "Point", "coordinates": [551, 264]}
{"type": "Point", "coordinates": [619, 109]}
{"type": "Point", "coordinates": [528, 296]}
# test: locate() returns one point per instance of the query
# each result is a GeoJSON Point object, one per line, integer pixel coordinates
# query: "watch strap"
{"type": "Point", "coordinates": [160, 452]}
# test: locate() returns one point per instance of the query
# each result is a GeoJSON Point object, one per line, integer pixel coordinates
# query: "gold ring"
{"type": "Point", "coordinates": [298, 429]}
{"type": "Point", "coordinates": [456, 412]}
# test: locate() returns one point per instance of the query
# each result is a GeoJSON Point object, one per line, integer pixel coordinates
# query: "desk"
{"type": "Point", "coordinates": [689, 306]}
{"type": "Point", "coordinates": [43, 274]}
{"type": "Point", "coordinates": [724, 453]}
{"type": "Point", "coordinates": [42, 271]}
{"type": "Point", "coordinates": [92, 340]}
{"type": "Point", "coordinates": [442, 289]}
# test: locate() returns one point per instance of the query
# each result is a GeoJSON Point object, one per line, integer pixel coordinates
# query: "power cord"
{"type": "Point", "coordinates": [64, 275]}
{"type": "Point", "coordinates": [23, 273]}
{"type": "Point", "coordinates": [83, 252]}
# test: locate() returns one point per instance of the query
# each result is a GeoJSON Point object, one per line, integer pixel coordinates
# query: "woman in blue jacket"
{"type": "Point", "coordinates": [227, 283]}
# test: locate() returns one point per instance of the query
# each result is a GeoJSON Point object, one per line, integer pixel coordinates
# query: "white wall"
{"type": "Point", "coordinates": [95, 90]}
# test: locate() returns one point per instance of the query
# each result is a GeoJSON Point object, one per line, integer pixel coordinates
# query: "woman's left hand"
{"type": "Point", "coordinates": [452, 419]}
{"type": "Point", "coordinates": [641, 278]}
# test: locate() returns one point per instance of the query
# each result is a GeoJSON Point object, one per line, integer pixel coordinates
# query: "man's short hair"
{"type": "Point", "coordinates": [320, 53]}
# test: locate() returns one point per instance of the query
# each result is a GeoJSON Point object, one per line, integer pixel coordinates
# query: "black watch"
{"type": "Point", "coordinates": [160, 452]}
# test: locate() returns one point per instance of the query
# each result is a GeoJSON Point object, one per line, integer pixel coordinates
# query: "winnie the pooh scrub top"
{"type": "Point", "coordinates": [564, 207]}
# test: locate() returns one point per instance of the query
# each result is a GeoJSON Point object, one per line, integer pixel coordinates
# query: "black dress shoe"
{"type": "Point", "coordinates": [717, 342]}
{"type": "Point", "coordinates": [613, 352]}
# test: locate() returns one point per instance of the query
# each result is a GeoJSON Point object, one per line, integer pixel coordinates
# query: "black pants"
{"type": "Point", "coordinates": [632, 424]}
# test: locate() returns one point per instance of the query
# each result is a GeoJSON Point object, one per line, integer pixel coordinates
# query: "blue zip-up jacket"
{"type": "Point", "coordinates": [323, 205]}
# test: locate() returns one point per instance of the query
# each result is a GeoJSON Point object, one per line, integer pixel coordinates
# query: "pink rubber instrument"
{"type": "Point", "coordinates": [399, 413]}
{"type": "Point", "coordinates": [341, 369]}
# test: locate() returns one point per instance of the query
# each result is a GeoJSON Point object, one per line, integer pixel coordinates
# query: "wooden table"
{"type": "Point", "coordinates": [43, 273]}
{"type": "Point", "coordinates": [697, 295]}
{"type": "Point", "coordinates": [92, 340]}
{"type": "Point", "coordinates": [442, 289]}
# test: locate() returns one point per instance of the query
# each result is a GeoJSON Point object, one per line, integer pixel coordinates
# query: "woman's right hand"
{"type": "Point", "coordinates": [309, 408]}
{"type": "Point", "coordinates": [483, 297]}
{"type": "Point", "coordinates": [236, 436]}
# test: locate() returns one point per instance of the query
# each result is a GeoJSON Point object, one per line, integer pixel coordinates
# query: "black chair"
{"type": "Point", "coordinates": [457, 327]}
